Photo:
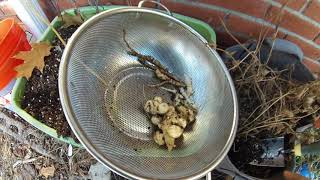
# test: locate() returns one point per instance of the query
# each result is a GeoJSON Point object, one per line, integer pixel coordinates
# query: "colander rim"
{"type": "Point", "coordinates": [75, 126]}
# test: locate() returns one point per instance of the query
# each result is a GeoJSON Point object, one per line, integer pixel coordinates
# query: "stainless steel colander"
{"type": "Point", "coordinates": [103, 90]}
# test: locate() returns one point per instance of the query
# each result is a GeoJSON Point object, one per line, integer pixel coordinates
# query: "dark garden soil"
{"type": "Point", "coordinates": [41, 98]}
{"type": "Point", "coordinates": [247, 150]}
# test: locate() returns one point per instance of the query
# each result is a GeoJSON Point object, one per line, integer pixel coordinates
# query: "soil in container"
{"type": "Point", "coordinates": [41, 98]}
{"type": "Point", "coordinates": [248, 150]}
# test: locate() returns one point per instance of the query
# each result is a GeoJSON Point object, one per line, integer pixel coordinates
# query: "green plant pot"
{"type": "Point", "coordinates": [19, 88]}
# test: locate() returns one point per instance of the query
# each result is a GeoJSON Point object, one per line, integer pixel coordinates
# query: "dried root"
{"type": "Point", "coordinates": [270, 104]}
{"type": "Point", "coordinates": [150, 62]}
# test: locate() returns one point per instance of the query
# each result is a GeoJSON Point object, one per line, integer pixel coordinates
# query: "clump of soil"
{"type": "Point", "coordinates": [41, 98]}
{"type": "Point", "coordinates": [250, 146]}
{"type": "Point", "coordinates": [251, 150]}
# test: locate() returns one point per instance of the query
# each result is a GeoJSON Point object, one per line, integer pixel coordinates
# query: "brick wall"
{"type": "Point", "coordinates": [297, 20]}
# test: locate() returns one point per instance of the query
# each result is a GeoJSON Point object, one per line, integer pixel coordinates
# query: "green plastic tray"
{"type": "Point", "coordinates": [18, 90]}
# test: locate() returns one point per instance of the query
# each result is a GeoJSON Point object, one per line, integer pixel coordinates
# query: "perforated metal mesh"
{"type": "Point", "coordinates": [104, 89]}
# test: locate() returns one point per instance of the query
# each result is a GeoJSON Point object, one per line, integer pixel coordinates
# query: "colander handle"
{"type": "Point", "coordinates": [140, 5]}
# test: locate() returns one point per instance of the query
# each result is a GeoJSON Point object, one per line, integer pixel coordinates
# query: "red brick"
{"type": "Point", "coordinates": [317, 40]}
{"type": "Point", "coordinates": [294, 23]}
{"type": "Point", "coordinates": [65, 4]}
{"type": "Point", "coordinates": [81, 3]}
{"type": "Point", "coordinates": [118, 2]}
{"type": "Point", "coordinates": [207, 15]}
{"type": "Point", "coordinates": [48, 9]}
{"type": "Point", "coordinates": [131, 2]}
{"type": "Point", "coordinates": [104, 2]}
{"type": "Point", "coordinates": [252, 29]}
{"type": "Point", "coordinates": [293, 4]}
{"type": "Point", "coordinates": [312, 65]}
{"type": "Point", "coordinates": [241, 25]}
{"type": "Point", "coordinates": [313, 10]}
{"type": "Point", "coordinates": [100, 2]}
{"type": "Point", "coordinates": [308, 50]}
{"type": "Point", "coordinates": [146, 4]}
{"type": "Point", "coordinates": [136, 2]}
{"type": "Point", "coordinates": [255, 8]}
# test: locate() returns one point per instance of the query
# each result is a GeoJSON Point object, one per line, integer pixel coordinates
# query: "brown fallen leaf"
{"type": "Point", "coordinates": [32, 59]}
{"type": "Point", "coordinates": [47, 171]}
{"type": "Point", "coordinates": [69, 20]}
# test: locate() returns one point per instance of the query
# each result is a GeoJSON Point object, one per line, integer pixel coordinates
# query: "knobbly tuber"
{"type": "Point", "coordinates": [170, 120]}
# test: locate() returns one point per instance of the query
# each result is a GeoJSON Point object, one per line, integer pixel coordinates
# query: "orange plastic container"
{"type": "Point", "coordinates": [12, 40]}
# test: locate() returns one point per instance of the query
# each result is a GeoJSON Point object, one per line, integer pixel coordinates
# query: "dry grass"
{"type": "Point", "coordinates": [270, 101]}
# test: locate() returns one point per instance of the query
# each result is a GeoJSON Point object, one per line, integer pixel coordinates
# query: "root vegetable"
{"type": "Point", "coordinates": [169, 142]}
{"type": "Point", "coordinates": [163, 108]}
{"type": "Point", "coordinates": [148, 106]}
{"type": "Point", "coordinates": [165, 124]}
{"type": "Point", "coordinates": [174, 131]}
{"type": "Point", "coordinates": [171, 120]}
{"type": "Point", "coordinates": [191, 115]}
{"type": "Point", "coordinates": [156, 120]}
{"type": "Point", "coordinates": [180, 122]}
{"type": "Point", "coordinates": [178, 99]}
{"type": "Point", "coordinates": [158, 138]}
{"type": "Point", "coordinates": [158, 99]}
{"type": "Point", "coordinates": [183, 111]}
{"type": "Point", "coordinates": [171, 111]}
{"type": "Point", "coordinates": [151, 107]}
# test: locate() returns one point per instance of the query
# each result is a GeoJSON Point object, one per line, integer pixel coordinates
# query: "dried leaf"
{"type": "Point", "coordinates": [32, 59]}
{"type": "Point", "coordinates": [47, 171]}
{"type": "Point", "coordinates": [69, 20]}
